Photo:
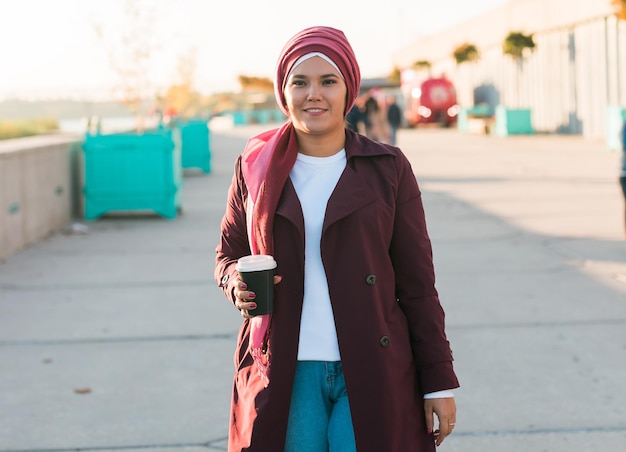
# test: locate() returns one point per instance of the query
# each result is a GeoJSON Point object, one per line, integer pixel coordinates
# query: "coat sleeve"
{"type": "Point", "coordinates": [233, 240]}
{"type": "Point", "coordinates": [411, 253]}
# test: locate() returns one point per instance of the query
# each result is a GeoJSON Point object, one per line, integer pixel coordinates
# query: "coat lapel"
{"type": "Point", "coordinates": [352, 191]}
{"type": "Point", "coordinates": [289, 207]}
{"type": "Point", "coordinates": [350, 195]}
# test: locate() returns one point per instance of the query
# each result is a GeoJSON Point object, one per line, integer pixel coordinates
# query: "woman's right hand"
{"type": "Point", "coordinates": [244, 298]}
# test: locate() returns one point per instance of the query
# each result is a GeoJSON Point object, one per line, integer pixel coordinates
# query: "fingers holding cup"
{"type": "Point", "coordinates": [257, 273]}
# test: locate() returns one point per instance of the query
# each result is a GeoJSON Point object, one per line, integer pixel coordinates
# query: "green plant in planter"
{"type": "Point", "coordinates": [422, 64]}
{"type": "Point", "coordinates": [516, 43]}
{"type": "Point", "coordinates": [466, 52]}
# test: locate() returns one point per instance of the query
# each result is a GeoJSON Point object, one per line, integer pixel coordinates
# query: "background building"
{"type": "Point", "coordinates": [574, 80]}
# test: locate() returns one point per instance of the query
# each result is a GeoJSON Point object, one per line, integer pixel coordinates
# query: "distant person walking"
{"type": "Point", "coordinates": [376, 125]}
{"type": "Point", "coordinates": [394, 118]}
{"type": "Point", "coordinates": [356, 117]}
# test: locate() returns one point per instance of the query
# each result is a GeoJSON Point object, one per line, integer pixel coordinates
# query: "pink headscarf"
{"type": "Point", "coordinates": [332, 43]}
{"type": "Point", "coordinates": [269, 157]}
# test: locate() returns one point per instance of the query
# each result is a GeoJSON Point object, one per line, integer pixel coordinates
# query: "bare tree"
{"type": "Point", "coordinates": [182, 98]}
{"type": "Point", "coordinates": [130, 48]}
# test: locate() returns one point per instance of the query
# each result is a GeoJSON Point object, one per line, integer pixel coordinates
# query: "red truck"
{"type": "Point", "coordinates": [432, 101]}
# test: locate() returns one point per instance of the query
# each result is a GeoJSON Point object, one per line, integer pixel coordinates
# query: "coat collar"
{"type": "Point", "coordinates": [352, 191]}
{"type": "Point", "coordinates": [358, 145]}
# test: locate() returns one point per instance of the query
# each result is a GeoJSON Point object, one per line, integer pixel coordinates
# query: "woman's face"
{"type": "Point", "coordinates": [315, 96]}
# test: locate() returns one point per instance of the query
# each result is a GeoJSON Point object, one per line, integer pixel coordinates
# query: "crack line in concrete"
{"type": "Point", "coordinates": [211, 444]}
{"type": "Point", "coordinates": [569, 323]}
{"type": "Point", "coordinates": [90, 341]}
{"type": "Point", "coordinates": [107, 285]}
{"type": "Point", "coordinates": [543, 431]}
{"type": "Point", "coordinates": [207, 445]}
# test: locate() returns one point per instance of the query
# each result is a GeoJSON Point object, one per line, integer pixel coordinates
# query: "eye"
{"type": "Point", "coordinates": [297, 82]}
{"type": "Point", "coordinates": [330, 81]}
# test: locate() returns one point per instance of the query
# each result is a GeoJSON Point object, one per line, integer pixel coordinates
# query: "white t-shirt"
{"type": "Point", "coordinates": [314, 179]}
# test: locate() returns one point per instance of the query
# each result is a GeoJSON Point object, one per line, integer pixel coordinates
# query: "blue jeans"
{"type": "Point", "coordinates": [319, 415]}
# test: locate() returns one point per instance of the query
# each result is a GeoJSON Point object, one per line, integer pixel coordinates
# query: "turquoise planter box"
{"type": "Point", "coordinates": [239, 118]}
{"type": "Point", "coordinates": [462, 122]}
{"type": "Point", "coordinates": [476, 119]}
{"type": "Point", "coordinates": [267, 116]}
{"type": "Point", "coordinates": [130, 171]}
{"type": "Point", "coordinates": [513, 121]}
{"type": "Point", "coordinates": [196, 145]}
{"type": "Point", "coordinates": [615, 119]}
{"type": "Point", "coordinates": [262, 116]}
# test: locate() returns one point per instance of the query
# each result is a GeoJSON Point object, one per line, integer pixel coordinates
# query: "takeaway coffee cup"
{"type": "Point", "coordinates": [257, 271]}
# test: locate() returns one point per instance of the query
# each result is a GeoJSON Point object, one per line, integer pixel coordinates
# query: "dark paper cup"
{"type": "Point", "coordinates": [257, 271]}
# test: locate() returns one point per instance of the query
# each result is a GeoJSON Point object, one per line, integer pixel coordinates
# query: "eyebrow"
{"type": "Point", "coordinates": [331, 75]}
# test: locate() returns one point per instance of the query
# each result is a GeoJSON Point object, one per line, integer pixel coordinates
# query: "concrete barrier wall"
{"type": "Point", "coordinates": [36, 189]}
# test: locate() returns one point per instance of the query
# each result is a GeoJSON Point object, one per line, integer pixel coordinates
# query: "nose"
{"type": "Point", "coordinates": [313, 92]}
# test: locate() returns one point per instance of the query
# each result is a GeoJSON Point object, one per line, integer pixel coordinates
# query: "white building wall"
{"type": "Point", "coordinates": [577, 70]}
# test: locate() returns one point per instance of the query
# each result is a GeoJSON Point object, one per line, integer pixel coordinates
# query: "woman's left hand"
{"type": "Point", "coordinates": [445, 409]}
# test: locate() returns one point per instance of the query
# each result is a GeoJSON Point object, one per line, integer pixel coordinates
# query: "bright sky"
{"type": "Point", "coordinates": [51, 46]}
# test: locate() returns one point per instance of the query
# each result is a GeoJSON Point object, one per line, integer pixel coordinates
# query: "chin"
{"type": "Point", "coordinates": [313, 129]}
{"type": "Point", "coordinates": [318, 131]}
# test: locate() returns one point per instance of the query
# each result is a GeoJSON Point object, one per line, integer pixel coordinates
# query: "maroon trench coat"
{"type": "Point", "coordinates": [390, 324]}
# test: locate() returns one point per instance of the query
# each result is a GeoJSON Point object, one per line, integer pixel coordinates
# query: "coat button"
{"type": "Point", "coordinates": [371, 279]}
{"type": "Point", "coordinates": [384, 341]}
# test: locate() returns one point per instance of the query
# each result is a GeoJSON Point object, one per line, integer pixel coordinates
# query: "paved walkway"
{"type": "Point", "coordinates": [118, 339]}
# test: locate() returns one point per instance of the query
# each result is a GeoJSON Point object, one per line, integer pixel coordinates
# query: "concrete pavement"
{"type": "Point", "coordinates": [118, 339]}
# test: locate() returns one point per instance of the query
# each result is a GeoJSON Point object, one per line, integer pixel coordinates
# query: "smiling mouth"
{"type": "Point", "coordinates": [314, 110]}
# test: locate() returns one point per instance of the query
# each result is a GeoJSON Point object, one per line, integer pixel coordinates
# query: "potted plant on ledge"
{"type": "Point", "coordinates": [515, 121]}
{"type": "Point", "coordinates": [466, 52]}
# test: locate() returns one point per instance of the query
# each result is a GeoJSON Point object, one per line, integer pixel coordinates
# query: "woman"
{"type": "Point", "coordinates": [356, 338]}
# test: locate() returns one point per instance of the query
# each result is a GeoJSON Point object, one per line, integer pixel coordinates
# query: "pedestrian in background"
{"type": "Point", "coordinates": [356, 119]}
{"type": "Point", "coordinates": [354, 355]}
{"type": "Point", "coordinates": [376, 124]}
{"type": "Point", "coordinates": [394, 119]}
